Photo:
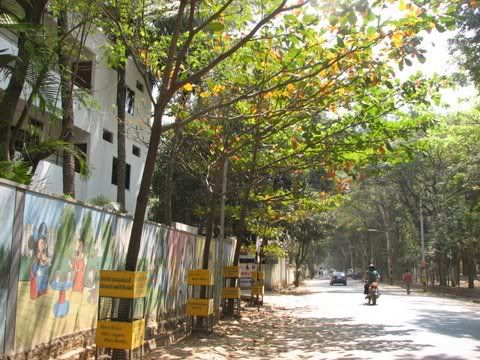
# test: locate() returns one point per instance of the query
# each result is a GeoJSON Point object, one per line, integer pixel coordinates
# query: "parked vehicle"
{"type": "Point", "coordinates": [338, 278]}
{"type": "Point", "coordinates": [373, 294]}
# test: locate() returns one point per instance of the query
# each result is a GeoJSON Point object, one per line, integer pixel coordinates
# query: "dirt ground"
{"type": "Point", "coordinates": [257, 335]}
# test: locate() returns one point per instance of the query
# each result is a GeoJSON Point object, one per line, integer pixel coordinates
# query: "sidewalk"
{"type": "Point", "coordinates": [455, 292]}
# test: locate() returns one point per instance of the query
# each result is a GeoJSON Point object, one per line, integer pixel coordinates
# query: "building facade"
{"type": "Point", "coordinates": [95, 130]}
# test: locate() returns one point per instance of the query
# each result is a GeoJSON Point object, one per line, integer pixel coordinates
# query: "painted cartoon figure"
{"type": "Point", "coordinates": [39, 266]}
{"type": "Point", "coordinates": [91, 285]}
{"type": "Point", "coordinates": [78, 265]}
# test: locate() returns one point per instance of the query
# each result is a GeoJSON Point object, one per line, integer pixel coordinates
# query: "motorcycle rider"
{"type": "Point", "coordinates": [370, 277]}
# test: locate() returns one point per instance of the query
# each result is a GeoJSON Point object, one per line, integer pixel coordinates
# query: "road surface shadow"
{"type": "Point", "coordinates": [450, 323]}
{"type": "Point", "coordinates": [430, 357]}
{"type": "Point", "coordinates": [280, 335]}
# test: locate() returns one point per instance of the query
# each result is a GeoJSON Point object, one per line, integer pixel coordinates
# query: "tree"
{"type": "Point", "coordinates": [30, 16]}
{"type": "Point", "coordinates": [172, 78]}
{"type": "Point", "coordinates": [38, 55]}
{"type": "Point", "coordinates": [186, 63]}
{"type": "Point", "coordinates": [465, 43]}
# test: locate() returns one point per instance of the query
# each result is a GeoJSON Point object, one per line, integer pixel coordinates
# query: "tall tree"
{"type": "Point", "coordinates": [32, 14]}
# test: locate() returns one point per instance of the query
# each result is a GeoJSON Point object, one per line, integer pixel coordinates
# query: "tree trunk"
{"type": "Point", "coordinates": [66, 88]}
{"type": "Point", "coordinates": [296, 281]}
{"type": "Point", "coordinates": [442, 270]}
{"type": "Point", "coordinates": [387, 238]}
{"type": "Point", "coordinates": [214, 197]}
{"type": "Point", "coordinates": [455, 268]}
{"type": "Point", "coordinates": [121, 153]}
{"type": "Point", "coordinates": [169, 182]}
{"type": "Point", "coordinates": [11, 95]}
{"type": "Point", "coordinates": [34, 11]}
{"type": "Point", "coordinates": [144, 191]}
{"type": "Point", "coordinates": [471, 273]}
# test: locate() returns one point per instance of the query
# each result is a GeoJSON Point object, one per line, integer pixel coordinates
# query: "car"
{"type": "Point", "coordinates": [338, 278]}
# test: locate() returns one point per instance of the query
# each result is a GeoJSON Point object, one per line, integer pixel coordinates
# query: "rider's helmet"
{"type": "Point", "coordinates": [371, 267]}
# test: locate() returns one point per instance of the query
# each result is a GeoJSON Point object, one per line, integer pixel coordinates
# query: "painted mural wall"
{"type": "Point", "coordinates": [63, 248]}
{"type": "Point", "coordinates": [64, 245]}
{"type": "Point", "coordinates": [7, 206]}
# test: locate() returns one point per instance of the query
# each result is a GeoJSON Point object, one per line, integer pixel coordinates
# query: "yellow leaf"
{"type": "Point", "coordinates": [397, 39]}
{"type": "Point", "coordinates": [402, 6]}
{"type": "Point", "coordinates": [205, 94]}
{"type": "Point", "coordinates": [291, 87]}
{"type": "Point", "coordinates": [218, 88]}
{"type": "Point", "coordinates": [188, 87]}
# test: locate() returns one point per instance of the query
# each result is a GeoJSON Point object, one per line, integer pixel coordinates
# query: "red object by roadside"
{"type": "Point", "coordinates": [407, 277]}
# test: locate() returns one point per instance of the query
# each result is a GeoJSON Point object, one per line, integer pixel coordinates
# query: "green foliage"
{"type": "Point", "coordinates": [100, 200]}
{"type": "Point", "coordinates": [17, 170]}
{"type": "Point", "coordinates": [441, 169]}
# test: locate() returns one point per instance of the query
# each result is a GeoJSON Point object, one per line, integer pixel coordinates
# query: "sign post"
{"type": "Point", "coordinates": [200, 310]}
{"type": "Point", "coordinates": [121, 312]}
{"type": "Point", "coordinates": [258, 289]}
{"type": "Point", "coordinates": [231, 293]}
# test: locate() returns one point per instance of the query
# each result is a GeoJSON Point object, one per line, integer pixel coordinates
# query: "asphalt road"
{"type": "Point", "coordinates": [400, 327]}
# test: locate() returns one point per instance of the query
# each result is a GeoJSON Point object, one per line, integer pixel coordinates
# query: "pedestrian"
{"type": "Point", "coordinates": [407, 279]}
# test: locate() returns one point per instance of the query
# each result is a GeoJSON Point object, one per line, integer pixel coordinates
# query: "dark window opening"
{"type": "Point", "coordinates": [130, 101]}
{"type": "Point", "coordinates": [83, 149]}
{"type": "Point", "coordinates": [24, 139]}
{"type": "Point", "coordinates": [114, 173]}
{"type": "Point", "coordinates": [82, 73]}
{"type": "Point", "coordinates": [136, 150]}
{"type": "Point", "coordinates": [36, 123]}
{"type": "Point", "coordinates": [108, 136]}
{"type": "Point", "coordinates": [139, 86]}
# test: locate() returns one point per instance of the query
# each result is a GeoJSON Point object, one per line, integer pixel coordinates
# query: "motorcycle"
{"type": "Point", "coordinates": [373, 294]}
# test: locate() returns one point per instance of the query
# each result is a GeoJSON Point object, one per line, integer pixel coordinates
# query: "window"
{"type": "Point", "coordinates": [82, 148]}
{"type": "Point", "coordinates": [130, 101]}
{"type": "Point", "coordinates": [114, 174]}
{"type": "Point", "coordinates": [82, 72]}
{"type": "Point", "coordinates": [136, 150]}
{"type": "Point", "coordinates": [108, 136]}
{"type": "Point", "coordinates": [139, 86]}
{"type": "Point", "coordinates": [36, 123]}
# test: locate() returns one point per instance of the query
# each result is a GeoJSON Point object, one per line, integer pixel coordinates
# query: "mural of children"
{"type": "Point", "coordinates": [39, 266]}
{"type": "Point", "coordinates": [78, 265]}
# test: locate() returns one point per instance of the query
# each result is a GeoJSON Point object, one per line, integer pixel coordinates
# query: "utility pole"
{"type": "Point", "coordinates": [422, 238]}
{"type": "Point", "coordinates": [222, 208]}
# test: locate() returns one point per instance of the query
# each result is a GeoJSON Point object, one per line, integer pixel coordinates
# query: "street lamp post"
{"type": "Point", "coordinates": [371, 242]}
{"type": "Point", "coordinates": [422, 239]}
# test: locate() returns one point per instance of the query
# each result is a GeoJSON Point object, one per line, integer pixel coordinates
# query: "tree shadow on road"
{"type": "Point", "coordinates": [280, 335]}
{"type": "Point", "coordinates": [451, 323]}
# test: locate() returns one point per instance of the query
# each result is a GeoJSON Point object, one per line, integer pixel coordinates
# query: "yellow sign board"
{"type": "Point", "coordinates": [260, 274]}
{"type": "Point", "coordinates": [199, 307]}
{"type": "Point", "coordinates": [123, 284]}
{"type": "Point", "coordinates": [200, 277]}
{"type": "Point", "coordinates": [231, 271]}
{"type": "Point", "coordinates": [120, 335]}
{"type": "Point", "coordinates": [231, 293]}
{"type": "Point", "coordinates": [258, 290]}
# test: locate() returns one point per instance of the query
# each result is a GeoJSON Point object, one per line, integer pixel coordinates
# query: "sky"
{"type": "Point", "coordinates": [440, 61]}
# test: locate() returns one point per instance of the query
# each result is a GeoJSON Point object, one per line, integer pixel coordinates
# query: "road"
{"type": "Point", "coordinates": [320, 321]}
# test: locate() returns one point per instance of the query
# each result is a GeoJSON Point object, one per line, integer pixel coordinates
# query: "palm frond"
{"type": "Point", "coordinates": [17, 170]}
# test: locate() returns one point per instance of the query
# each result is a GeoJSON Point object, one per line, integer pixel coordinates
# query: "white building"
{"type": "Point", "coordinates": [96, 127]}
